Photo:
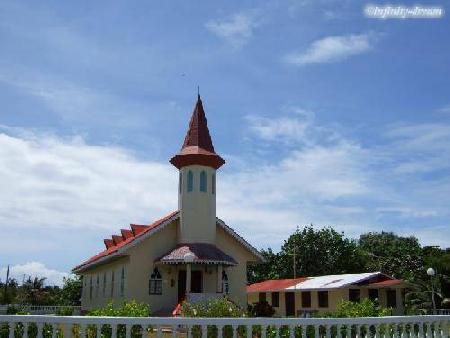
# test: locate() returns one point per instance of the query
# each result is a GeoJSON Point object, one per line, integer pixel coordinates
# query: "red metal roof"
{"type": "Point", "coordinates": [197, 146]}
{"type": "Point", "coordinates": [117, 242]}
{"type": "Point", "coordinates": [274, 284]}
{"type": "Point", "coordinates": [388, 282]}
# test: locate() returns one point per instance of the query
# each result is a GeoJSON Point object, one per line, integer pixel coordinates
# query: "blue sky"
{"type": "Point", "coordinates": [324, 116]}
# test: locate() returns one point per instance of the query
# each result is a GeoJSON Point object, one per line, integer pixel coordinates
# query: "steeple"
{"type": "Point", "coordinates": [197, 147]}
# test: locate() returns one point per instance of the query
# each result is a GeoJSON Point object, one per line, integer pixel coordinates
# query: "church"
{"type": "Point", "coordinates": [189, 254]}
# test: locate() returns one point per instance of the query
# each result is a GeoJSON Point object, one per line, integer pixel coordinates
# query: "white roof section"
{"type": "Point", "coordinates": [332, 281]}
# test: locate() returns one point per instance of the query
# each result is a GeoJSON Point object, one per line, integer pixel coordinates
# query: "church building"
{"type": "Point", "coordinates": [189, 254]}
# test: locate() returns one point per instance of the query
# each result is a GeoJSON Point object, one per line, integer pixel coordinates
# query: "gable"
{"type": "Point", "coordinates": [120, 244]}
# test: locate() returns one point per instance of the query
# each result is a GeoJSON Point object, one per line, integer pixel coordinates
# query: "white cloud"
{"type": "Point", "coordinates": [67, 183]}
{"type": "Point", "coordinates": [237, 29]}
{"type": "Point", "coordinates": [332, 49]}
{"type": "Point", "coordinates": [65, 186]}
{"type": "Point", "coordinates": [35, 269]}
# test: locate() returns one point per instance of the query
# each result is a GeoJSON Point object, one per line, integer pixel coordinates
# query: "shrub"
{"type": "Point", "coordinates": [127, 309]}
{"type": "Point", "coordinates": [364, 308]}
{"type": "Point", "coordinates": [261, 309]}
{"type": "Point", "coordinates": [218, 307]}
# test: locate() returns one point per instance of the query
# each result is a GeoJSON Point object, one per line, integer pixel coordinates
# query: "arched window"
{"type": "Point", "coordinates": [190, 181]}
{"type": "Point", "coordinates": [97, 286]}
{"type": "Point", "coordinates": [90, 288]}
{"type": "Point", "coordinates": [104, 284]}
{"type": "Point", "coordinates": [155, 283]}
{"type": "Point", "coordinates": [180, 183]}
{"type": "Point", "coordinates": [213, 184]}
{"type": "Point", "coordinates": [112, 284]}
{"type": "Point", "coordinates": [122, 282]}
{"type": "Point", "coordinates": [225, 285]}
{"type": "Point", "coordinates": [203, 186]}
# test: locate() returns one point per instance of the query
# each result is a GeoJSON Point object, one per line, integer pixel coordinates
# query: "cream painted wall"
{"type": "Point", "coordinates": [139, 265]}
{"type": "Point", "coordinates": [237, 275]}
{"type": "Point", "coordinates": [104, 292]}
{"type": "Point", "coordinates": [334, 297]}
{"type": "Point", "coordinates": [197, 208]}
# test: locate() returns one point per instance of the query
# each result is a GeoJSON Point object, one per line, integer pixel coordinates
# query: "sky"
{"type": "Point", "coordinates": [323, 115]}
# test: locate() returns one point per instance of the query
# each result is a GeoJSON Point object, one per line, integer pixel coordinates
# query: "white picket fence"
{"type": "Point", "coordinates": [127, 327]}
{"type": "Point", "coordinates": [40, 309]}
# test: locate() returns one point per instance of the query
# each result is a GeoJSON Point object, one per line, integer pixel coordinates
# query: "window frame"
{"type": "Point", "coordinates": [275, 296]}
{"type": "Point", "coordinates": [306, 299]}
{"type": "Point", "coordinates": [391, 301]}
{"type": "Point", "coordinates": [323, 299]}
{"type": "Point", "coordinates": [225, 283]}
{"type": "Point", "coordinates": [155, 283]}
{"type": "Point", "coordinates": [370, 294]}
{"type": "Point", "coordinates": [203, 181]}
{"type": "Point", "coordinates": [354, 295]}
{"type": "Point", "coordinates": [122, 282]}
{"type": "Point", "coordinates": [213, 184]}
{"type": "Point", "coordinates": [112, 284]}
{"type": "Point", "coordinates": [190, 181]}
{"type": "Point", "coordinates": [262, 297]}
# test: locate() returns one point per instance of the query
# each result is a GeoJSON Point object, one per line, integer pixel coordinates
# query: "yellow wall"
{"type": "Point", "coordinates": [334, 297]}
{"type": "Point", "coordinates": [139, 265]}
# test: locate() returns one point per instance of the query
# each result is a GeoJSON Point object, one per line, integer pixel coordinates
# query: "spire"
{"type": "Point", "coordinates": [197, 146]}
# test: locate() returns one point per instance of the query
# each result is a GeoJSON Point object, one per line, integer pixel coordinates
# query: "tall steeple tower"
{"type": "Point", "coordinates": [197, 162]}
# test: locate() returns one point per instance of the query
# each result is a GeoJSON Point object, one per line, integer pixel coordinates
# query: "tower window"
{"type": "Point", "coordinates": [180, 183]}
{"type": "Point", "coordinates": [190, 181]}
{"type": "Point", "coordinates": [155, 283]}
{"type": "Point", "coordinates": [213, 184]}
{"type": "Point", "coordinates": [203, 186]}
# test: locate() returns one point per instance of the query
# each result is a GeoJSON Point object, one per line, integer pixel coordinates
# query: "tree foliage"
{"type": "Point", "coordinates": [401, 257]}
{"type": "Point", "coordinates": [326, 251]}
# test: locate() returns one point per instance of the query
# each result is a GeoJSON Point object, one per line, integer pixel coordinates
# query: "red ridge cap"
{"type": "Point", "coordinates": [108, 243]}
{"type": "Point", "coordinates": [137, 229]}
{"type": "Point", "coordinates": [126, 233]}
{"type": "Point", "coordinates": [117, 239]}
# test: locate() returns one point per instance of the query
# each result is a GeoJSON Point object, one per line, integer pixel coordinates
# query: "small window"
{"type": "Point", "coordinates": [373, 294]}
{"type": "Point", "coordinates": [306, 299]}
{"type": "Point", "coordinates": [213, 184]}
{"type": "Point", "coordinates": [104, 285]}
{"type": "Point", "coordinates": [180, 182]}
{"type": "Point", "coordinates": [354, 295]}
{"type": "Point", "coordinates": [190, 181]}
{"type": "Point", "coordinates": [112, 284]}
{"type": "Point", "coordinates": [225, 285]}
{"type": "Point", "coordinates": [275, 299]}
{"type": "Point", "coordinates": [122, 282]}
{"type": "Point", "coordinates": [90, 288]}
{"type": "Point", "coordinates": [391, 297]}
{"type": "Point", "coordinates": [155, 283]}
{"type": "Point", "coordinates": [203, 186]}
{"type": "Point", "coordinates": [262, 296]}
{"type": "Point", "coordinates": [322, 297]}
{"type": "Point", "coordinates": [97, 286]}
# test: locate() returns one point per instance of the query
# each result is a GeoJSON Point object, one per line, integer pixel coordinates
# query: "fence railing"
{"type": "Point", "coordinates": [131, 327]}
{"type": "Point", "coordinates": [41, 309]}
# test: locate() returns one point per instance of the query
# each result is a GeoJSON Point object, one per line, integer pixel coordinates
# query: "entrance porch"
{"type": "Point", "coordinates": [201, 271]}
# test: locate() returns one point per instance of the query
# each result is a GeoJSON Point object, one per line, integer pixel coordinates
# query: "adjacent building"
{"type": "Point", "coordinates": [303, 296]}
{"type": "Point", "coordinates": [188, 254]}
